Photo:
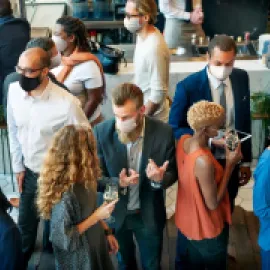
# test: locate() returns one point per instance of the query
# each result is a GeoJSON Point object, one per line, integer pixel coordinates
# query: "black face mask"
{"type": "Point", "coordinates": [29, 84]}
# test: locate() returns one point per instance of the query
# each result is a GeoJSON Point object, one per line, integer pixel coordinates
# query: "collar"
{"type": "Point", "coordinates": [214, 81]}
{"type": "Point", "coordinates": [45, 94]}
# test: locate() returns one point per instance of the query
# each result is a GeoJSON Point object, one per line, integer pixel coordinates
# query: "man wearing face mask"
{"type": "Point", "coordinates": [228, 86]}
{"type": "Point", "coordinates": [222, 83]}
{"type": "Point", "coordinates": [151, 57]}
{"type": "Point", "coordinates": [37, 108]}
{"type": "Point", "coordinates": [138, 154]}
{"type": "Point", "coordinates": [47, 45]}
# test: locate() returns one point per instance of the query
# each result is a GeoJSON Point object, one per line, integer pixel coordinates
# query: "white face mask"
{"type": "Point", "coordinates": [55, 61]}
{"type": "Point", "coordinates": [221, 72]}
{"type": "Point", "coordinates": [60, 43]}
{"type": "Point", "coordinates": [132, 24]}
{"type": "Point", "coordinates": [126, 126]}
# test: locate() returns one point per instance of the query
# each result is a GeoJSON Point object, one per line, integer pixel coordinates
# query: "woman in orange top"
{"type": "Point", "coordinates": [203, 207]}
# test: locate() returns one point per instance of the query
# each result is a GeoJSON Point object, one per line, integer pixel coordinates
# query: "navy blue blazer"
{"type": "Point", "coordinates": [10, 243]}
{"type": "Point", "coordinates": [196, 87]}
{"type": "Point", "coordinates": [159, 144]}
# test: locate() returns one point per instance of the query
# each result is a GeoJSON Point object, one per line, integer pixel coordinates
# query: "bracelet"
{"type": "Point", "coordinates": [109, 231]}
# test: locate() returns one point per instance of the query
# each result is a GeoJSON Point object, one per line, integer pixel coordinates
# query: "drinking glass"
{"type": "Point", "coordinates": [110, 195]}
{"type": "Point", "coordinates": [231, 139]}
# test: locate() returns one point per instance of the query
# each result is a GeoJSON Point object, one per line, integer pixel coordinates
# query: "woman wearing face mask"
{"type": "Point", "coordinates": [80, 70]}
{"type": "Point", "coordinates": [47, 45]}
{"type": "Point", "coordinates": [203, 207]}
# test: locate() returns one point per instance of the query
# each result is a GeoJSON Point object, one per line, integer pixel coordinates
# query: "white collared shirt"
{"type": "Point", "coordinates": [134, 154]}
{"type": "Point", "coordinates": [33, 121]}
{"type": "Point", "coordinates": [214, 85]}
{"type": "Point", "coordinates": [174, 9]}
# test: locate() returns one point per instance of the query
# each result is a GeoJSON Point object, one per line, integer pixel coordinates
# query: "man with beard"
{"type": "Point", "coordinates": [137, 153]}
{"type": "Point", "coordinates": [37, 108]}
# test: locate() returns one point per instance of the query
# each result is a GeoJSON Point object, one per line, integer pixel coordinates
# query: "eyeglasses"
{"type": "Point", "coordinates": [28, 71]}
{"type": "Point", "coordinates": [128, 16]}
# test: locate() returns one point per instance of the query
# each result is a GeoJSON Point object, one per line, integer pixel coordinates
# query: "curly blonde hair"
{"type": "Point", "coordinates": [204, 113]}
{"type": "Point", "coordinates": [71, 158]}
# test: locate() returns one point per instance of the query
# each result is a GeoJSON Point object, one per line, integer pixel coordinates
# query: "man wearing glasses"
{"type": "Point", "coordinates": [37, 108]}
{"type": "Point", "coordinates": [151, 57]}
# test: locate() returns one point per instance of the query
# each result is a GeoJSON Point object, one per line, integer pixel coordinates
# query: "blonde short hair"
{"type": "Point", "coordinates": [204, 113]}
{"type": "Point", "coordinates": [147, 7]}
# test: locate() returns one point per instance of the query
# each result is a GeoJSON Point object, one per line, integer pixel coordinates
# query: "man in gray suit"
{"type": "Point", "coordinates": [138, 153]}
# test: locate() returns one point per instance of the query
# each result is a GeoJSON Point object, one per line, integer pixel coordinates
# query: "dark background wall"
{"type": "Point", "coordinates": [234, 17]}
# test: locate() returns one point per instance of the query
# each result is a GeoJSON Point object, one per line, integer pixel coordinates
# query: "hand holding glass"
{"type": "Point", "coordinates": [231, 139]}
{"type": "Point", "coordinates": [110, 195]}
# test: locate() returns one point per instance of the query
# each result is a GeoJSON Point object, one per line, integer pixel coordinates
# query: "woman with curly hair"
{"type": "Point", "coordinates": [203, 207]}
{"type": "Point", "coordinates": [67, 196]}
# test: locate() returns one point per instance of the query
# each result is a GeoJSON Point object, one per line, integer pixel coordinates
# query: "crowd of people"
{"type": "Point", "coordinates": [64, 153]}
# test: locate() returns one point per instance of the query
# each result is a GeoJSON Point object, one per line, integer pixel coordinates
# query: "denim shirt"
{"type": "Point", "coordinates": [261, 198]}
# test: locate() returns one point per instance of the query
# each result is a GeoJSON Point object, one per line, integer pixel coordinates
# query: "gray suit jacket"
{"type": "Point", "coordinates": [159, 144]}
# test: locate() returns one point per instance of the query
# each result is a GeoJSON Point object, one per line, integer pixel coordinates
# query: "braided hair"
{"type": "Point", "coordinates": [74, 26]}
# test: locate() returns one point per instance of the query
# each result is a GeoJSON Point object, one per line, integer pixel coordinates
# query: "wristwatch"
{"type": "Point", "coordinates": [109, 231]}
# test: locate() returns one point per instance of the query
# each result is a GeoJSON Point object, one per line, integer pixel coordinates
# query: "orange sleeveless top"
{"type": "Point", "coordinates": [192, 217]}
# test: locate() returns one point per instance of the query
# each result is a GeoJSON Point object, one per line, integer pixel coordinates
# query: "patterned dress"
{"type": "Point", "coordinates": [72, 250]}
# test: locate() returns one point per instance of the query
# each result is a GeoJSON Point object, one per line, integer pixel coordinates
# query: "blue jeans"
{"type": "Point", "coordinates": [149, 242]}
{"type": "Point", "coordinates": [265, 257]}
{"type": "Point", "coordinates": [28, 216]}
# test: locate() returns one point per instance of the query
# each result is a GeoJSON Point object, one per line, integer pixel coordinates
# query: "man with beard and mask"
{"type": "Point", "coordinates": [37, 108]}
{"type": "Point", "coordinates": [47, 45]}
{"type": "Point", "coordinates": [138, 154]}
{"type": "Point", "coordinates": [220, 82]}
{"type": "Point", "coordinates": [151, 57]}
